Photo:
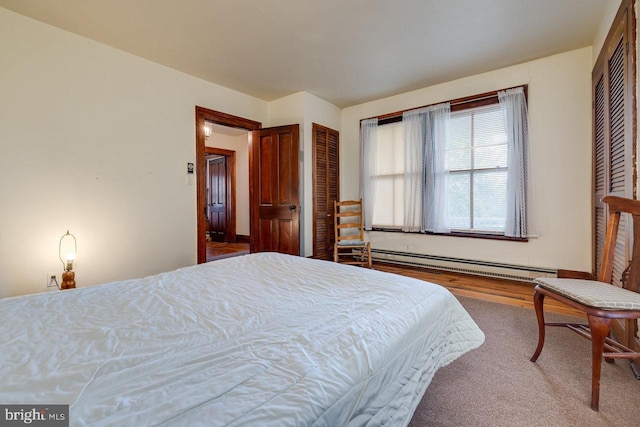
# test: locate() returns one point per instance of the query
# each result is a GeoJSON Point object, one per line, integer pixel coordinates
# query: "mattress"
{"type": "Point", "coordinates": [263, 339]}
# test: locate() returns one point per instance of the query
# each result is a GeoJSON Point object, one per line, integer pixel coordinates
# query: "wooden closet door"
{"type": "Point", "coordinates": [325, 188]}
{"type": "Point", "coordinates": [614, 132]}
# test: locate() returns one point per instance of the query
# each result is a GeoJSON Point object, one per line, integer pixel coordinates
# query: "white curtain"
{"type": "Point", "coordinates": [425, 178]}
{"type": "Point", "coordinates": [435, 177]}
{"type": "Point", "coordinates": [368, 143]}
{"type": "Point", "coordinates": [413, 123]}
{"type": "Point", "coordinates": [514, 107]}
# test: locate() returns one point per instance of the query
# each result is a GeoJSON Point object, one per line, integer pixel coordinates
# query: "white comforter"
{"type": "Point", "coordinates": [259, 340]}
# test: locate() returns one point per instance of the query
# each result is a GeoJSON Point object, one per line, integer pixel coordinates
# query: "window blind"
{"type": "Point", "coordinates": [388, 208]}
{"type": "Point", "coordinates": [476, 161]}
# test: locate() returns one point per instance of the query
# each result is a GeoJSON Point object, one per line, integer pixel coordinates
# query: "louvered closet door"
{"type": "Point", "coordinates": [613, 141]}
{"type": "Point", "coordinates": [612, 144]}
{"type": "Point", "coordinates": [619, 159]}
{"type": "Point", "coordinates": [600, 171]}
{"type": "Point", "coordinates": [325, 189]}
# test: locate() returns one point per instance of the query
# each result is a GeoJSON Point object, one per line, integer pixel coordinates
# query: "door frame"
{"type": "Point", "coordinates": [230, 194]}
{"type": "Point", "coordinates": [202, 116]}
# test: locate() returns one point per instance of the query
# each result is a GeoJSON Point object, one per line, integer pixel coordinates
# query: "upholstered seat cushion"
{"type": "Point", "coordinates": [592, 293]}
{"type": "Point", "coordinates": [351, 243]}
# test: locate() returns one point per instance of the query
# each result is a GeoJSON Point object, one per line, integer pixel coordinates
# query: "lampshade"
{"type": "Point", "coordinates": [207, 130]}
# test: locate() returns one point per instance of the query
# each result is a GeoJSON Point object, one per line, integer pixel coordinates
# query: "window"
{"type": "Point", "coordinates": [388, 208]}
{"type": "Point", "coordinates": [476, 161]}
{"type": "Point", "coordinates": [462, 181]}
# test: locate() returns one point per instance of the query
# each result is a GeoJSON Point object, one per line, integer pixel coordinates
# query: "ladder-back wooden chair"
{"type": "Point", "coordinates": [600, 300]}
{"type": "Point", "coordinates": [350, 246]}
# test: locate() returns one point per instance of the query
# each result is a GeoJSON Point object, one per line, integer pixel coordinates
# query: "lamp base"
{"type": "Point", "coordinates": [68, 280]}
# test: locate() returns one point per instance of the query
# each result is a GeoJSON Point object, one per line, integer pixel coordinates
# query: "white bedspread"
{"type": "Point", "coordinates": [259, 340]}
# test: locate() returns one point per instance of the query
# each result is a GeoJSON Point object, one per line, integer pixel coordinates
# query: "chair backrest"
{"type": "Point", "coordinates": [348, 220]}
{"type": "Point", "coordinates": [618, 205]}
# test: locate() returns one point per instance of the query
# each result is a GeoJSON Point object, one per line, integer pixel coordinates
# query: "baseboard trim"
{"type": "Point", "coordinates": [243, 239]}
{"type": "Point", "coordinates": [460, 265]}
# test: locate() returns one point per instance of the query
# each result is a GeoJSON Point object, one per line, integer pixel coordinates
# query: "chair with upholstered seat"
{"type": "Point", "coordinates": [599, 300]}
{"type": "Point", "coordinates": [350, 246]}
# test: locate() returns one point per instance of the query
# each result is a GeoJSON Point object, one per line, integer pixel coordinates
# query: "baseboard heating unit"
{"type": "Point", "coordinates": [460, 265]}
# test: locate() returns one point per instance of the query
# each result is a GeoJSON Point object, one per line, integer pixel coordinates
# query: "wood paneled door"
{"type": "Point", "coordinates": [217, 199]}
{"type": "Point", "coordinates": [326, 188]}
{"type": "Point", "coordinates": [274, 196]}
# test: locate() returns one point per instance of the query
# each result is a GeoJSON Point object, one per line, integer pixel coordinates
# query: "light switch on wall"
{"type": "Point", "coordinates": [190, 173]}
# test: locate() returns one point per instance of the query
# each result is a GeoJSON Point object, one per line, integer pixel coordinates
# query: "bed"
{"type": "Point", "coordinates": [263, 339]}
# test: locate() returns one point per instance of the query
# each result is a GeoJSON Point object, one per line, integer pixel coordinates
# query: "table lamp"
{"type": "Point", "coordinates": [67, 251]}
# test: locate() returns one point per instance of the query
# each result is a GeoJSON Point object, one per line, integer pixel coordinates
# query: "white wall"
{"type": "Point", "coordinates": [96, 141]}
{"type": "Point", "coordinates": [604, 27]}
{"type": "Point", "coordinates": [304, 109]}
{"type": "Point", "coordinates": [560, 142]}
{"type": "Point", "coordinates": [239, 144]}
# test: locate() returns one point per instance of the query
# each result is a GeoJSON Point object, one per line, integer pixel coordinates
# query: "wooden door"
{"type": "Point", "coordinates": [275, 201]}
{"type": "Point", "coordinates": [613, 147]}
{"type": "Point", "coordinates": [217, 199]}
{"type": "Point", "coordinates": [325, 189]}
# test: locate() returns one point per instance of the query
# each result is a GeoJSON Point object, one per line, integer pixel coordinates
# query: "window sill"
{"type": "Point", "coordinates": [457, 234]}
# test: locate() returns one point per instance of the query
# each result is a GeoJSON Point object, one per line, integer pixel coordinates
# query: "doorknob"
{"type": "Point", "coordinates": [292, 207]}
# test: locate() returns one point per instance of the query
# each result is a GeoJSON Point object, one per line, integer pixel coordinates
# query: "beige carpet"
{"type": "Point", "coordinates": [497, 385]}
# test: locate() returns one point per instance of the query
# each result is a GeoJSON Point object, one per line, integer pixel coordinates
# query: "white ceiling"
{"type": "Point", "coordinates": [343, 51]}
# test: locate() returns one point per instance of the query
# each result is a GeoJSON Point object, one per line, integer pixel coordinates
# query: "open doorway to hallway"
{"type": "Point", "coordinates": [205, 118]}
{"type": "Point", "coordinates": [274, 196]}
{"type": "Point", "coordinates": [227, 191]}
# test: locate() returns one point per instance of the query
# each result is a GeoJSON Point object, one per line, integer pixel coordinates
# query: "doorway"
{"type": "Point", "coordinates": [205, 145]}
{"type": "Point", "coordinates": [273, 156]}
{"type": "Point", "coordinates": [227, 189]}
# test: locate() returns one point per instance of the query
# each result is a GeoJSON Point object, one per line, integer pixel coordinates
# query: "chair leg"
{"type": "Point", "coordinates": [599, 327]}
{"type": "Point", "coordinates": [538, 302]}
{"type": "Point", "coordinates": [369, 255]}
{"type": "Point", "coordinates": [335, 252]}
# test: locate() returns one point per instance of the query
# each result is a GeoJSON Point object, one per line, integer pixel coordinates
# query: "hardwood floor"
{"type": "Point", "coordinates": [219, 250]}
{"type": "Point", "coordinates": [485, 288]}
